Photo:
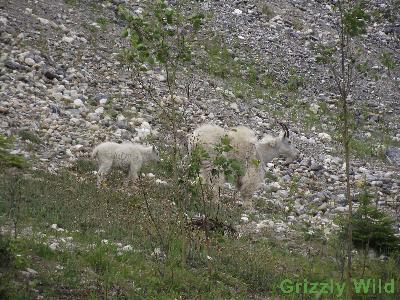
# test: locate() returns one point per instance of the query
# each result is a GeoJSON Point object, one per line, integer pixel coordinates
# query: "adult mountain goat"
{"type": "Point", "coordinates": [123, 156]}
{"type": "Point", "coordinates": [246, 148]}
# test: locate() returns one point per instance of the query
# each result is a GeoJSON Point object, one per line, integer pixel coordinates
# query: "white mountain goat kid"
{"type": "Point", "coordinates": [247, 149]}
{"type": "Point", "coordinates": [123, 156]}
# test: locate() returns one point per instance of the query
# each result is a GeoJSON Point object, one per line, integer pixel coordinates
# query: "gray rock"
{"type": "Point", "coordinates": [122, 122]}
{"type": "Point", "coordinates": [341, 199]}
{"type": "Point", "coordinates": [55, 109]}
{"type": "Point", "coordinates": [323, 207]}
{"type": "Point", "coordinates": [29, 61]}
{"type": "Point", "coordinates": [393, 155]}
{"type": "Point", "coordinates": [376, 183]}
{"type": "Point", "coordinates": [4, 110]}
{"type": "Point", "coordinates": [273, 187]}
{"type": "Point", "coordinates": [50, 74]}
{"type": "Point", "coordinates": [316, 167]}
{"type": "Point", "coordinates": [73, 112]}
{"type": "Point", "coordinates": [14, 65]}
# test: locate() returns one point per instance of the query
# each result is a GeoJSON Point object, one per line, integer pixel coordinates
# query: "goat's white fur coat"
{"type": "Point", "coordinates": [123, 156]}
{"type": "Point", "coordinates": [243, 141]}
{"type": "Point", "coordinates": [247, 149]}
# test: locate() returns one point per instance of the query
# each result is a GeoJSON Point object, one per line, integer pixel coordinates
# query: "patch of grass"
{"type": "Point", "coordinates": [92, 28]}
{"type": "Point", "coordinates": [43, 251]}
{"type": "Point", "coordinates": [71, 2]}
{"type": "Point", "coordinates": [311, 119]}
{"type": "Point", "coordinates": [72, 269]}
{"type": "Point", "coordinates": [95, 6]}
{"type": "Point", "coordinates": [270, 176]}
{"type": "Point", "coordinates": [103, 22]}
{"type": "Point", "coordinates": [294, 81]}
{"type": "Point", "coordinates": [266, 207]}
{"type": "Point", "coordinates": [294, 186]}
{"type": "Point", "coordinates": [129, 114]}
{"type": "Point", "coordinates": [267, 11]}
{"type": "Point", "coordinates": [296, 23]}
{"type": "Point", "coordinates": [6, 158]}
{"type": "Point", "coordinates": [242, 77]}
{"type": "Point", "coordinates": [363, 147]}
{"type": "Point", "coordinates": [11, 263]}
{"type": "Point", "coordinates": [220, 61]}
{"type": "Point", "coordinates": [220, 267]}
{"type": "Point", "coordinates": [27, 135]}
{"type": "Point", "coordinates": [98, 259]}
{"type": "Point", "coordinates": [112, 113]}
{"type": "Point", "coordinates": [373, 145]}
{"type": "Point", "coordinates": [83, 166]}
{"type": "Point", "coordinates": [269, 81]}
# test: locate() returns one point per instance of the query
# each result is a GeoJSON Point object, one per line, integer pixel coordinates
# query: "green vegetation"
{"type": "Point", "coordinates": [112, 243]}
{"type": "Point", "coordinates": [27, 135]}
{"type": "Point", "coordinates": [243, 77]}
{"type": "Point", "coordinates": [372, 228]}
{"type": "Point", "coordinates": [7, 159]}
{"type": "Point", "coordinates": [267, 11]}
{"type": "Point", "coordinates": [103, 22]}
{"type": "Point", "coordinates": [94, 221]}
{"type": "Point", "coordinates": [71, 2]}
{"type": "Point", "coordinates": [294, 81]}
{"type": "Point", "coordinates": [388, 61]}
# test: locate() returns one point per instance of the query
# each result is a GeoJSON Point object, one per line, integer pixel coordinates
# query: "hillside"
{"type": "Point", "coordinates": [65, 88]}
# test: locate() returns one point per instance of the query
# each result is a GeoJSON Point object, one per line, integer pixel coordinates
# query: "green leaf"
{"type": "Point", "coordinates": [255, 162]}
{"type": "Point", "coordinates": [135, 39]}
{"type": "Point", "coordinates": [169, 16]}
{"type": "Point", "coordinates": [125, 32]}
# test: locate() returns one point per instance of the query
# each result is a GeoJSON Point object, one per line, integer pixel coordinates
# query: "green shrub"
{"type": "Point", "coordinates": [372, 228]}
{"type": "Point", "coordinates": [27, 135]}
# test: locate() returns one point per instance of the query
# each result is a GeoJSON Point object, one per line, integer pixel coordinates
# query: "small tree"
{"type": "Point", "coordinates": [162, 36]}
{"type": "Point", "coordinates": [340, 57]}
{"type": "Point", "coordinates": [372, 228]}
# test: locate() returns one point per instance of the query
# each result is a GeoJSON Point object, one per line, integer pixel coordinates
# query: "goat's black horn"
{"type": "Point", "coordinates": [285, 129]}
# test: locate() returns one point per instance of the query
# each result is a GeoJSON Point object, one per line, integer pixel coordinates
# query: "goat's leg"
{"type": "Point", "coordinates": [250, 183]}
{"type": "Point", "coordinates": [133, 174]}
{"type": "Point", "coordinates": [104, 169]}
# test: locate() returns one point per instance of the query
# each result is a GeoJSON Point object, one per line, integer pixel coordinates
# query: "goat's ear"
{"type": "Point", "coordinates": [282, 134]}
{"type": "Point", "coordinates": [154, 148]}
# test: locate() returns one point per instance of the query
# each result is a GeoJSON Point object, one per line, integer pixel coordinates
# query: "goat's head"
{"type": "Point", "coordinates": [285, 146]}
